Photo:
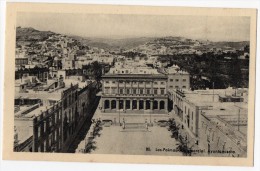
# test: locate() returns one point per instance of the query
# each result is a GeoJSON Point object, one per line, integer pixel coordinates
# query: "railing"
{"type": "Point", "coordinates": [25, 144]}
{"type": "Point", "coordinates": [29, 109]}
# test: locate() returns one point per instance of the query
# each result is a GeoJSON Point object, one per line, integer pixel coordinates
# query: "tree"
{"type": "Point", "coordinates": [97, 70]}
{"type": "Point", "coordinates": [247, 49]}
{"type": "Point", "coordinates": [235, 73]}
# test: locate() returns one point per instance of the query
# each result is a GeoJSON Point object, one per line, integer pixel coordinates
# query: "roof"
{"type": "Point", "coordinates": [149, 76]}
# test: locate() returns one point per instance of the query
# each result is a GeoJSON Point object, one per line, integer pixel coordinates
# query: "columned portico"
{"type": "Point", "coordinates": [133, 104]}
{"type": "Point", "coordinates": [134, 93]}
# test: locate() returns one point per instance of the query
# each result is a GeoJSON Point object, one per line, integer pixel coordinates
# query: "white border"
{"type": "Point", "coordinates": [32, 166]}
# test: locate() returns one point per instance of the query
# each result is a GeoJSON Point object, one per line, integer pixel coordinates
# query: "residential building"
{"type": "Point", "coordinates": [217, 124]}
{"type": "Point", "coordinates": [177, 79]}
{"type": "Point", "coordinates": [48, 121]}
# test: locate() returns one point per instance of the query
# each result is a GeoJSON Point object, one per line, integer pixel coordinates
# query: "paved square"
{"type": "Point", "coordinates": [115, 140]}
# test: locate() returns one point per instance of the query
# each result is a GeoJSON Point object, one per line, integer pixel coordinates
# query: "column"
{"type": "Point", "coordinates": [166, 105]}
{"type": "Point", "coordinates": [144, 104]}
{"type": "Point", "coordinates": [151, 104]}
{"type": "Point", "coordinates": [137, 105]}
{"type": "Point", "coordinates": [117, 104]}
{"type": "Point", "coordinates": [131, 104]}
{"type": "Point", "coordinates": [110, 104]}
{"type": "Point", "coordinates": [124, 102]}
{"type": "Point", "coordinates": [103, 105]}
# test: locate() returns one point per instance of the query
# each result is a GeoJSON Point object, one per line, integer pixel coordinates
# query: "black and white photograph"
{"type": "Point", "coordinates": [133, 84]}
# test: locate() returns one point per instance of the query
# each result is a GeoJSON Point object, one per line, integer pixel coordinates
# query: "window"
{"type": "Point", "coordinates": [141, 91]}
{"type": "Point", "coordinates": [121, 91]}
{"type": "Point", "coordinates": [176, 80]}
{"type": "Point", "coordinates": [148, 91]}
{"type": "Point", "coordinates": [162, 91]}
{"type": "Point", "coordinates": [162, 83]}
{"type": "Point", "coordinates": [134, 91]}
{"type": "Point", "coordinates": [107, 82]}
{"type": "Point", "coordinates": [171, 80]}
{"type": "Point", "coordinates": [127, 91]}
{"type": "Point", "coordinates": [113, 82]}
{"type": "Point", "coordinates": [184, 80]}
{"type": "Point", "coordinates": [155, 91]}
{"type": "Point", "coordinates": [171, 86]}
{"type": "Point", "coordinates": [176, 87]}
{"type": "Point", "coordinates": [106, 89]}
{"type": "Point", "coordinates": [155, 83]}
{"type": "Point", "coordinates": [183, 86]}
{"type": "Point", "coordinates": [113, 90]}
{"type": "Point", "coordinates": [123, 72]}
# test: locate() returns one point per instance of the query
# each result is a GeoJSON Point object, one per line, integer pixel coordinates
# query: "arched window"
{"type": "Point", "coordinates": [161, 104]}
{"type": "Point", "coordinates": [127, 104]}
{"type": "Point", "coordinates": [134, 105]}
{"type": "Point", "coordinates": [148, 105]}
{"type": "Point", "coordinates": [113, 104]}
{"type": "Point", "coordinates": [155, 104]}
{"type": "Point", "coordinates": [107, 104]}
{"type": "Point", "coordinates": [141, 104]}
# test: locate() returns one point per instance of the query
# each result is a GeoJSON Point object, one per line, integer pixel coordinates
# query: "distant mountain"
{"type": "Point", "coordinates": [106, 43]}
{"type": "Point", "coordinates": [30, 34]}
{"type": "Point", "coordinates": [236, 45]}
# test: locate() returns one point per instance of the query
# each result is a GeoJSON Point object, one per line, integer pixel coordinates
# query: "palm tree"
{"type": "Point", "coordinates": [183, 147]}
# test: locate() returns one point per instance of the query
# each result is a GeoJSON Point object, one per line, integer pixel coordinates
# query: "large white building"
{"type": "Point", "coordinates": [134, 90]}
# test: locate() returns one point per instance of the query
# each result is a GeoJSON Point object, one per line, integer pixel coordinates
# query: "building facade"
{"type": "Point", "coordinates": [51, 125]}
{"type": "Point", "coordinates": [47, 130]}
{"type": "Point", "coordinates": [178, 80]}
{"type": "Point", "coordinates": [135, 93]}
{"type": "Point", "coordinates": [217, 124]}
{"type": "Point", "coordinates": [40, 73]}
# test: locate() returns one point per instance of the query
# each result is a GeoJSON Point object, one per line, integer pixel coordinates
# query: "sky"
{"type": "Point", "coordinates": [213, 28]}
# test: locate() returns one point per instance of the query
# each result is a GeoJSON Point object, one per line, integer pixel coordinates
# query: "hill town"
{"type": "Point", "coordinates": [72, 94]}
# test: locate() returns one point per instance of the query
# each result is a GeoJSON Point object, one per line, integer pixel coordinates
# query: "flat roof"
{"type": "Point", "coordinates": [228, 108]}
{"type": "Point", "coordinates": [24, 129]}
{"type": "Point", "coordinates": [135, 76]}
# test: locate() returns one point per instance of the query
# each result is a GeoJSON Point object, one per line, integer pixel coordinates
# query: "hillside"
{"type": "Point", "coordinates": [111, 44]}
{"type": "Point", "coordinates": [30, 34]}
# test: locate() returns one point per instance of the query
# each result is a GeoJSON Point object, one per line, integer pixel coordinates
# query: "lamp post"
{"type": "Point", "coordinates": [238, 117]}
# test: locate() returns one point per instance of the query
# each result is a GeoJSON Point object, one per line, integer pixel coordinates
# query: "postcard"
{"type": "Point", "coordinates": [129, 84]}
